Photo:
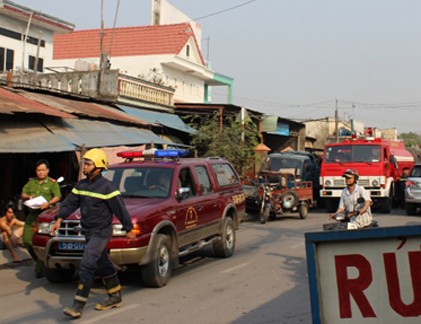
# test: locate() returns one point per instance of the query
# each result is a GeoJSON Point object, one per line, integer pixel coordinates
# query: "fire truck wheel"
{"type": "Point", "coordinates": [224, 248]}
{"type": "Point", "coordinates": [157, 272]}
{"type": "Point", "coordinates": [387, 205]}
{"type": "Point", "coordinates": [59, 275]}
{"type": "Point", "coordinates": [331, 205]}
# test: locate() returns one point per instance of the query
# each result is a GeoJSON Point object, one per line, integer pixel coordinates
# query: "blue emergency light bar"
{"type": "Point", "coordinates": [153, 153]}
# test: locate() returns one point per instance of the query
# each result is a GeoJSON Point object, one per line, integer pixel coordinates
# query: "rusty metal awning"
{"type": "Point", "coordinates": [88, 133]}
{"type": "Point", "coordinates": [85, 108]}
{"type": "Point", "coordinates": [30, 137]}
{"type": "Point", "coordinates": [166, 119]}
{"type": "Point", "coordinates": [12, 102]}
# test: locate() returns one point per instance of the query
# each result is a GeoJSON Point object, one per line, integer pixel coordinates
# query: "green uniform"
{"type": "Point", "coordinates": [48, 189]}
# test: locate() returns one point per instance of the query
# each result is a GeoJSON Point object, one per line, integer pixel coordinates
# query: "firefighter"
{"type": "Point", "coordinates": [98, 199]}
{"type": "Point", "coordinates": [402, 186]}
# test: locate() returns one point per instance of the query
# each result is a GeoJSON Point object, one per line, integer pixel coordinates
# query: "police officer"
{"type": "Point", "coordinates": [41, 185]}
{"type": "Point", "coordinates": [98, 199]}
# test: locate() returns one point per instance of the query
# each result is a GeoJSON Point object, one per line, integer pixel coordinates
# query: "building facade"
{"type": "Point", "coordinates": [26, 37]}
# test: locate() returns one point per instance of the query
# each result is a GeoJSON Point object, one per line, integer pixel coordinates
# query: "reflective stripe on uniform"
{"type": "Point", "coordinates": [96, 194]}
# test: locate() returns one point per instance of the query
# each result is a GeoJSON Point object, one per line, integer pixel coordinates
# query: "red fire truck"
{"type": "Point", "coordinates": [379, 162]}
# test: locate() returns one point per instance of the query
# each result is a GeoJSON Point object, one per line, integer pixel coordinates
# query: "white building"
{"type": "Point", "coordinates": [168, 54]}
{"type": "Point", "coordinates": [26, 37]}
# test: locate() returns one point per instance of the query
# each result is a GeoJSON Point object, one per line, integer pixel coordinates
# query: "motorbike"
{"type": "Point", "coordinates": [342, 219]}
{"type": "Point", "coordinates": [266, 202]}
{"type": "Point", "coordinates": [65, 187]}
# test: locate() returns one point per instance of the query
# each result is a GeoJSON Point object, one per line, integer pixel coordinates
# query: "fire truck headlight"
{"type": "Point", "coordinates": [45, 228]}
{"type": "Point", "coordinates": [328, 183]}
{"type": "Point", "coordinates": [118, 230]}
{"type": "Point", "coordinates": [375, 183]}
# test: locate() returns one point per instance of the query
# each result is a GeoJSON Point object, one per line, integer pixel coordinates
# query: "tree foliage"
{"type": "Point", "coordinates": [410, 139]}
{"type": "Point", "coordinates": [210, 140]}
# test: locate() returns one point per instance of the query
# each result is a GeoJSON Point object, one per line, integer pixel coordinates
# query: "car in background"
{"type": "Point", "coordinates": [413, 190]}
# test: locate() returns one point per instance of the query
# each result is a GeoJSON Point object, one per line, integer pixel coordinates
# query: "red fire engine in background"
{"type": "Point", "coordinates": [378, 161]}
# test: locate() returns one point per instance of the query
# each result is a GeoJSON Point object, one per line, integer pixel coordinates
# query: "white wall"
{"type": "Point", "coordinates": [172, 15]}
{"type": "Point", "coordinates": [18, 26]}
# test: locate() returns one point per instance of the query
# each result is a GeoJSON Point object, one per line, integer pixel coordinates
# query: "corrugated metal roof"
{"type": "Point", "coordinates": [96, 133]}
{"type": "Point", "coordinates": [14, 101]}
{"type": "Point", "coordinates": [84, 108]}
{"type": "Point", "coordinates": [169, 120]}
{"type": "Point", "coordinates": [30, 137]}
{"type": "Point", "coordinates": [33, 136]}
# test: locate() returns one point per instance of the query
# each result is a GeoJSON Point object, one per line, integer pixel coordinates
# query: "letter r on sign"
{"type": "Point", "coordinates": [355, 287]}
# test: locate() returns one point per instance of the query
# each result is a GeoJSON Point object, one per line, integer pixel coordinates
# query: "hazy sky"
{"type": "Point", "coordinates": [294, 58]}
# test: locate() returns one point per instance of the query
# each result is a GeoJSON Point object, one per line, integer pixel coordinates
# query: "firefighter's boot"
{"type": "Point", "coordinates": [81, 297]}
{"type": "Point", "coordinates": [112, 284]}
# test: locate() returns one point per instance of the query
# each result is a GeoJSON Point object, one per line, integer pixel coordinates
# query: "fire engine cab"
{"type": "Point", "coordinates": [379, 162]}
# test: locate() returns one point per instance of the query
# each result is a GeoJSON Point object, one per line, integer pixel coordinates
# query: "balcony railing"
{"type": "Point", "coordinates": [139, 89]}
{"type": "Point", "coordinates": [110, 86]}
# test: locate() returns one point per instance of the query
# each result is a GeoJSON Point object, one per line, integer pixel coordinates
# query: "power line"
{"type": "Point", "coordinates": [225, 10]}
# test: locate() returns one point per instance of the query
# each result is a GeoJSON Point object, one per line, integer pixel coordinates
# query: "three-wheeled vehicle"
{"type": "Point", "coordinates": [277, 193]}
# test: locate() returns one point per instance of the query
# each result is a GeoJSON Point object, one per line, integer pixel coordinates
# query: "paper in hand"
{"type": "Point", "coordinates": [35, 203]}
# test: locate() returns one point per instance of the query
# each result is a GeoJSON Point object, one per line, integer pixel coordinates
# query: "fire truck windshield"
{"type": "Point", "coordinates": [353, 153]}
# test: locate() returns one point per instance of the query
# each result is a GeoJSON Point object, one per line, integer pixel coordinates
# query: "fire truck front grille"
{"type": "Point", "coordinates": [338, 183]}
{"type": "Point", "coordinates": [364, 182]}
{"type": "Point", "coordinates": [70, 228]}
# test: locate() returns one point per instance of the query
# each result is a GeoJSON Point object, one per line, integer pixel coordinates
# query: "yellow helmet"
{"type": "Point", "coordinates": [98, 157]}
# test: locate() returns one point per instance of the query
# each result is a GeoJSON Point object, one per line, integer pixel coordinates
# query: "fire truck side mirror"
{"type": "Point", "coordinates": [394, 161]}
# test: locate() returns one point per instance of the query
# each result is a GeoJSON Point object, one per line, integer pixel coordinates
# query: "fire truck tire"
{"type": "Point", "coordinates": [303, 210]}
{"type": "Point", "coordinates": [331, 205]}
{"type": "Point", "coordinates": [387, 205]}
{"type": "Point", "coordinates": [225, 247]}
{"type": "Point", "coordinates": [411, 209]}
{"type": "Point", "coordinates": [59, 275]}
{"type": "Point", "coordinates": [156, 273]}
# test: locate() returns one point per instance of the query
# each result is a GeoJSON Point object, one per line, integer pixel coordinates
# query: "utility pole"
{"type": "Point", "coordinates": [37, 58]}
{"type": "Point", "coordinates": [336, 122]}
{"type": "Point", "coordinates": [101, 50]}
{"type": "Point", "coordinates": [24, 41]}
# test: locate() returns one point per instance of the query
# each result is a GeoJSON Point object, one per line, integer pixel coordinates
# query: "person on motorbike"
{"type": "Point", "coordinates": [355, 202]}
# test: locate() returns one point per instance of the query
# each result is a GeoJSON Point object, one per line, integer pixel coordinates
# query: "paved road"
{"type": "Point", "coordinates": [264, 282]}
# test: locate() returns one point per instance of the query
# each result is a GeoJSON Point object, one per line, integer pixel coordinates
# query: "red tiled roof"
{"type": "Point", "coordinates": [127, 41]}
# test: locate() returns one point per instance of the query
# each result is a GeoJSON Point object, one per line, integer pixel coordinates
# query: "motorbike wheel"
{"type": "Point", "coordinates": [265, 215]}
{"type": "Point", "coordinates": [303, 210]}
{"type": "Point", "coordinates": [264, 212]}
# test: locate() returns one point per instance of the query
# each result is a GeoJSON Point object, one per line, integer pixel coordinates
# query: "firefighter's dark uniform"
{"type": "Point", "coordinates": [98, 201]}
{"type": "Point", "coordinates": [48, 189]}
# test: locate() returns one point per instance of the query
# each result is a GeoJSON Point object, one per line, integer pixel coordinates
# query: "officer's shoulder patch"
{"type": "Point", "coordinates": [53, 180]}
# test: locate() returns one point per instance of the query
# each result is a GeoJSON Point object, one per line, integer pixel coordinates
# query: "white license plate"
{"type": "Point", "coordinates": [71, 246]}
